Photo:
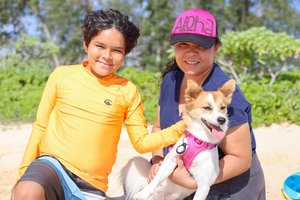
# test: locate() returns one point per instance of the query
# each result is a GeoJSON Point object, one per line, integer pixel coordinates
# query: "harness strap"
{"type": "Point", "coordinates": [194, 147]}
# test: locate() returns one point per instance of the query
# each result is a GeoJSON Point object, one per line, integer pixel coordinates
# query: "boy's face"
{"type": "Point", "coordinates": [105, 52]}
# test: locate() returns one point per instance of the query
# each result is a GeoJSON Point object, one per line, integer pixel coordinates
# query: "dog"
{"type": "Point", "coordinates": [206, 120]}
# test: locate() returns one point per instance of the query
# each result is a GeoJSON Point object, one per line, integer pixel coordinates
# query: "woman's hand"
{"type": "Point", "coordinates": [153, 171]}
{"type": "Point", "coordinates": [156, 162]}
{"type": "Point", "coordinates": [181, 176]}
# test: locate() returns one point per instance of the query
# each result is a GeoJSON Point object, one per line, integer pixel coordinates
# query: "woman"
{"type": "Point", "coordinates": [196, 42]}
{"type": "Point", "coordinates": [73, 145]}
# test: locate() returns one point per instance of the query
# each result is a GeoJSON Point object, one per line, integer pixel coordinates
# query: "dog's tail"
{"type": "Point", "coordinates": [134, 176]}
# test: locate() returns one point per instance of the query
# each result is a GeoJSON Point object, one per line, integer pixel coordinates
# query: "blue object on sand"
{"type": "Point", "coordinates": [291, 186]}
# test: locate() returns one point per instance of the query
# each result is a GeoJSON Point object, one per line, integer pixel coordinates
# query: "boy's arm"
{"type": "Point", "coordinates": [46, 106]}
{"type": "Point", "coordinates": [138, 133]}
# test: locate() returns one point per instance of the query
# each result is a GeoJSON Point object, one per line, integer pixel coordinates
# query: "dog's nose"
{"type": "Point", "coordinates": [221, 120]}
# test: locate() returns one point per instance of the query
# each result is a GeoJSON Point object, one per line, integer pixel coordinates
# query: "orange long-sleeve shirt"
{"type": "Point", "coordinates": [79, 122]}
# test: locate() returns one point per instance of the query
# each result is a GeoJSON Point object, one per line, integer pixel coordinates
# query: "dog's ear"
{"type": "Point", "coordinates": [227, 89]}
{"type": "Point", "coordinates": [192, 90]}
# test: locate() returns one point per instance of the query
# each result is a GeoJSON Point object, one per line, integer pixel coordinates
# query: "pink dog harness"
{"type": "Point", "coordinates": [195, 146]}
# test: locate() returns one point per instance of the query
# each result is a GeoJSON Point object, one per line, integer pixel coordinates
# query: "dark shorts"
{"type": "Point", "coordinates": [248, 186]}
{"type": "Point", "coordinates": [44, 175]}
{"type": "Point", "coordinates": [41, 173]}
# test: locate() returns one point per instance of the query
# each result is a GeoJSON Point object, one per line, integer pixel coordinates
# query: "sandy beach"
{"type": "Point", "coordinates": [277, 148]}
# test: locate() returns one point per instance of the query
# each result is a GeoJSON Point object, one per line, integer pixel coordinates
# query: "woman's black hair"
{"type": "Point", "coordinates": [97, 21]}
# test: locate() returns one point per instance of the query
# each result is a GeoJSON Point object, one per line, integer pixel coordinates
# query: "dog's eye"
{"type": "Point", "coordinates": [207, 108]}
{"type": "Point", "coordinates": [223, 107]}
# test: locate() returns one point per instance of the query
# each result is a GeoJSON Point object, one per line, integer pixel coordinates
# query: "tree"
{"type": "Point", "coordinates": [60, 27]}
{"type": "Point", "coordinates": [280, 16]}
{"type": "Point", "coordinates": [239, 15]}
{"type": "Point", "coordinates": [58, 23]}
{"type": "Point", "coordinates": [156, 26]}
{"type": "Point", "coordinates": [10, 20]}
{"type": "Point", "coordinates": [55, 23]}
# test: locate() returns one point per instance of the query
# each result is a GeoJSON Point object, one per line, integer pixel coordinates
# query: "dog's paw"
{"type": "Point", "coordinates": [143, 195]}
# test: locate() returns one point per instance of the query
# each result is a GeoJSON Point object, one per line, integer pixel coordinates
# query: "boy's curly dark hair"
{"type": "Point", "coordinates": [97, 21]}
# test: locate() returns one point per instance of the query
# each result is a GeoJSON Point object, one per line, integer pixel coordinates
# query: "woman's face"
{"type": "Point", "coordinates": [105, 52]}
{"type": "Point", "coordinates": [193, 59]}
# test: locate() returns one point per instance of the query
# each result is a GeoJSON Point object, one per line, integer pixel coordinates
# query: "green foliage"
{"type": "Point", "coordinates": [21, 86]}
{"type": "Point", "coordinates": [262, 44]}
{"type": "Point", "coordinates": [259, 52]}
{"type": "Point", "coordinates": [148, 84]}
{"type": "Point", "coordinates": [277, 103]}
{"type": "Point", "coordinates": [270, 104]}
{"type": "Point", "coordinates": [28, 47]}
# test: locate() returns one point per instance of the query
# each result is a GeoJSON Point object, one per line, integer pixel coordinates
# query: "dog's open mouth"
{"type": "Point", "coordinates": [216, 131]}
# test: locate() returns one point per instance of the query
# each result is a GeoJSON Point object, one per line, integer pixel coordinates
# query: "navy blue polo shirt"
{"type": "Point", "coordinates": [239, 110]}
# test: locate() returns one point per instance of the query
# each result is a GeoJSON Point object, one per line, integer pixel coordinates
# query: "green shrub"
{"type": "Point", "coordinates": [21, 86]}
{"type": "Point", "coordinates": [148, 84]}
{"type": "Point", "coordinates": [275, 103]}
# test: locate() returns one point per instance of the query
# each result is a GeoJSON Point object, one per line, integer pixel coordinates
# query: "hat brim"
{"type": "Point", "coordinates": [206, 42]}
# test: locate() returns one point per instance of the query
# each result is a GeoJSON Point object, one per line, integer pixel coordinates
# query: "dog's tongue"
{"type": "Point", "coordinates": [217, 132]}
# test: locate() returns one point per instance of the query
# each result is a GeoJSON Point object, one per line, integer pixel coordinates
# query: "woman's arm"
{"type": "Point", "coordinates": [238, 152]}
{"type": "Point", "coordinates": [46, 105]}
{"type": "Point", "coordinates": [238, 155]}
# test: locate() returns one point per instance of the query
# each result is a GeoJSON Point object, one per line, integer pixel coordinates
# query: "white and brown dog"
{"type": "Point", "coordinates": [207, 122]}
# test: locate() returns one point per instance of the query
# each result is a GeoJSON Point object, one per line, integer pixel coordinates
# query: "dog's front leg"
{"type": "Point", "coordinates": [201, 192]}
{"type": "Point", "coordinates": [165, 170]}
{"type": "Point", "coordinates": [163, 173]}
{"type": "Point", "coordinates": [205, 171]}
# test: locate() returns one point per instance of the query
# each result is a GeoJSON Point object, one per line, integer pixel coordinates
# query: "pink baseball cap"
{"type": "Point", "coordinates": [197, 26]}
